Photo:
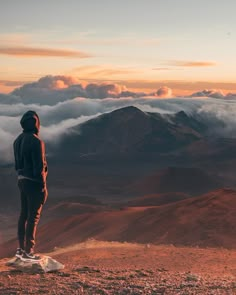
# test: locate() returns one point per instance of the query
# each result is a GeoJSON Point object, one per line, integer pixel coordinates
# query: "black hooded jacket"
{"type": "Point", "coordinates": [29, 150]}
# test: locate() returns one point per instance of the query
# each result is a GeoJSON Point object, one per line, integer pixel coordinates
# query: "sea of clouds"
{"type": "Point", "coordinates": [63, 102]}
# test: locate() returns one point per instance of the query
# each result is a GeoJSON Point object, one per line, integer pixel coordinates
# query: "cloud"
{"type": "Point", "coordinates": [231, 96]}
{"type": "Point", "coordinates": [209, 93]}
{"type": "Point", "coordinates": [6, 148]}
{"type": "Point", "coordinates": [11, 83]}
{"type": "Point", "coordinates": [55, 82]}
{"type": "Point", "coordinates": [104, 90]}
{"type": "Point", "coordinates": [50, 90]}
{"type": "Point", "coordinates": [107, 72]}
{"type": "Point", "coordinates": [14, 39]}
{"type": "Point", "coordinates": [162, 69]}
{"type": "Point", "coordinates": [180, 86]}
{"type": "Point", "coordinates": [130, 41]}
{"type": "Point", "coordinates": [67, 109]}
{"type": "Point", "coordinates": [103, 72]}
{"type": "Point", "coordinates": [164, 92]}
{"type": "Point", "coordinates": [54, 132]}
{"type": "Point", "coordinates": [182, 63]}
{"type": "Point", "coordinates": [8, 99]}
{"type": "Point", "coordinates": [23, 51]}
{"type": "Point", "coordinates": [8, 130]}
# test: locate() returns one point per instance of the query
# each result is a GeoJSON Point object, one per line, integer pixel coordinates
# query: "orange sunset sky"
{"type": "Point", "coordinates": [144, 44]}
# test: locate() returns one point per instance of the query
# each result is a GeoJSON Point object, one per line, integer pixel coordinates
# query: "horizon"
{"type": "Point", "coordinates": [145, 46]}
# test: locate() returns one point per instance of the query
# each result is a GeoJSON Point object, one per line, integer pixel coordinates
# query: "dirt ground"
{"type": "Point", "coordinates": [96, 267]}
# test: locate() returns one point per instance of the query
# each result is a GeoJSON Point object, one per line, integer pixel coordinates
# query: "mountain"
{"type": "Point", "coordinates": [130, 130]}
{"type": "Point", "coordinates": [108, 156]}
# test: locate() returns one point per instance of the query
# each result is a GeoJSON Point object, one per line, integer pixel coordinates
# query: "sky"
{"type": "Point", "coordinates": [187, 45]}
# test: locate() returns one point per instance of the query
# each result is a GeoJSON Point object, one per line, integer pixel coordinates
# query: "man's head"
{"type": "Point", "coordinates": [30, 122]}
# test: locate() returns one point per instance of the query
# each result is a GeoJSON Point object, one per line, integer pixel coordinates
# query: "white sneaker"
{"type": "Point", "coordinates": [19, 252]}
{"type": "Point", "coordinates": [30, 257]}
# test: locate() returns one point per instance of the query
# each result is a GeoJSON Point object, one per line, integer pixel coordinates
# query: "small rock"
{"type": "Point", "coordinates": [192, 277]}
{"type": "Point", "coordinates": [46, 264]}
{"type": "Point", "coordinates": [162, 269]}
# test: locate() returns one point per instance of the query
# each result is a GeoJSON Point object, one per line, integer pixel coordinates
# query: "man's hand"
{"type": "Point", "coordinates": [44, 194]}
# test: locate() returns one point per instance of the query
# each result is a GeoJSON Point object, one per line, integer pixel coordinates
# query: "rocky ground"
{"type": "Point", "coordinates": [120, 268]}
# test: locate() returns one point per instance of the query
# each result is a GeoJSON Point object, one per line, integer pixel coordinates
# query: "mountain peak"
{"type": "Point", "coordinates": [128, 110]}
{"type": "Point", "coordinates": [181, 114]}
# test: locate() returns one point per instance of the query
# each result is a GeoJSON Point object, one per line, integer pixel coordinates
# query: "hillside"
{"type": "Point", "coordinates": [132, 130]}
{"type": "Point", "coordinates": [205, 221]}
{"type": "Point", "coordinates": [157, 199]}
{"type": "Point", "coordinates": [187, 180]}
{"type": "Point", "coordinates": [121, 268]}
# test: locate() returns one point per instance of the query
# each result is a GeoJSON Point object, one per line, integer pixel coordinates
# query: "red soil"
{"type": "Point", "coordinates": [114, 268]}
{"type": "Point", "coordinates": [205, 221]}
{"type": "Point", "coordinates": [157, 199]}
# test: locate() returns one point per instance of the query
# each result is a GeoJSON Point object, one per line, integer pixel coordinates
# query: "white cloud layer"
{"type": "Point", "coordinates": [58, 116]}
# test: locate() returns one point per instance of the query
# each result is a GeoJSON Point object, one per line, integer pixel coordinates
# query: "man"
{"type": "Point", "coordinates": [31, 166]}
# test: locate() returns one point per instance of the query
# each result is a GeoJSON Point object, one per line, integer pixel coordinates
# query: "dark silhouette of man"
{"type": "Point", "coordinates": [31, 166]}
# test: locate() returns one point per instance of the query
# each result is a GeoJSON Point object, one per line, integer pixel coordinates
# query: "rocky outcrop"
{"type": "Point", "coordinates": [45, 264]}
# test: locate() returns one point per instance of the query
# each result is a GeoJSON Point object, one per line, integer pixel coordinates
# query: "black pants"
{"type": "Point", "coordinates": [33, 196]}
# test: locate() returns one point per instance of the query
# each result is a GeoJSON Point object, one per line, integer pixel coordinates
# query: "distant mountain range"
{"type": "Point", "coordinates": [133, 135]}
{"type": "Point", "coordinates": [129, 153]}
{"type": "Point", "coordinates": [130, 130]}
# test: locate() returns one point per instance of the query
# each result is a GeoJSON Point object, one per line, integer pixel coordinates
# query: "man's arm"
{"type": "Point", "coordinates": [39, 161]}
{"type": "Point", "coordinates": [16, 149]}
{"type": "Point", "coordinates": [15, 155]}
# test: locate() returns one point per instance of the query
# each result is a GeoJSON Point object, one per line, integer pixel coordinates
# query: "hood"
{"type": "Point", "coordinates": [30, 122]}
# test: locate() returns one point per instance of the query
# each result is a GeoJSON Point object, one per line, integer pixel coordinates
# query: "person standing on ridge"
{"type": "Point", "coordinates": [31, 166]}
